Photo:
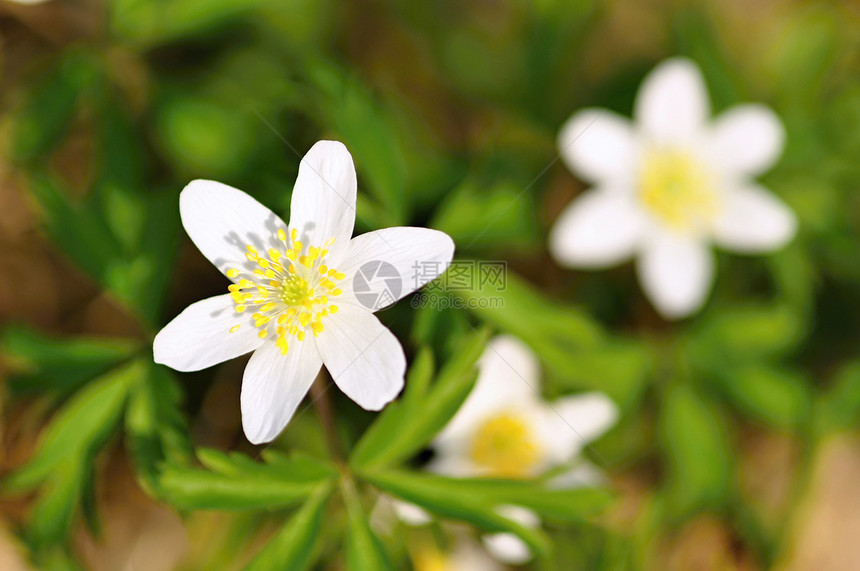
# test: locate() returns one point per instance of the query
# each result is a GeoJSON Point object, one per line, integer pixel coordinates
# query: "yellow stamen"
{"type": "Point", "coordinates": [505, 446]}
{"type": "Point", "coordinates": [677, 189]}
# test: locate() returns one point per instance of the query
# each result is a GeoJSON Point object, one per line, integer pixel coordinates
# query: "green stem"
{"type": "Point", "coordinates": [325, 413]}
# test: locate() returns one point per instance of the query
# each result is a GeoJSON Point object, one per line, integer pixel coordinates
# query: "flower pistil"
{"type": "Point", "coordinates": [289, 289]}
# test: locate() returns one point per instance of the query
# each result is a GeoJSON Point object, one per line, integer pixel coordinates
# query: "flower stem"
{"type": "Point", "coordinates": [325, 413]}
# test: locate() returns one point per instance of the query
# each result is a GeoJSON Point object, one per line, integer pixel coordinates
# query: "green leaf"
{"type": "Point", "coordinates": [499, 217]}
{"type": "Point", "coordinates": [618, 368]}
{"type": "Point", "coordinates": [776, 396]}
{"type": "Point", "coordinates": [292, 548]}
{"type": "Point", "coordinates": [62, 466]}
{"type": "Point", "coordinates": [200, 135]}
{"type": "Point", "coordinates": [53, 514]}
{"type": "Point", "coordinates": [364, 551]}
{"type": "Point", "coordinates": [55, 559]}
{"type": "Point", "coordinates": [470, 503]}
{"type": "Point", "coordinates": [347, 107]}
{"type": "Point", "coordinates": [526, 313]}
{"type": "Point", "coordinates": [149, 23]}
{"type": "Point", "coordinates": [236, 482]}
{"type": "Point", "coordinates": [48, 109]}
{"type": "Point", "coordinates": [697, 450]}
{"type": "Point", "coordinates": [568, 341]}
{"type": "Point", "coordinates": [155, 428]}
{"type": "Point", "coordinates": [79, 231]}
{"type": "Point", "coordinates": [45, 362]}
{"type": "Point", "coordinates": [80, 428]}
{"type": "Point", "coordinates": [839, 407]}
{"type": "Point", "coordinates": [405, 426]}
{"type": "Point", "coordinates": [746, 333]}
{"type": "Point", "coordinates": [568, 505]}
{"type": "Point", "coordinates": [809, 48]}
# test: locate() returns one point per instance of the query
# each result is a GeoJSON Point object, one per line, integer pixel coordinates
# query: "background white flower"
{"type": "Point", "coordinates": [465, 555]}
{"type": "Point", "coordinates": [668, 186]}
{"type": "Point", "coordinates": [505, 429]}
{"type": "Point", "coordinates": [291, 300]}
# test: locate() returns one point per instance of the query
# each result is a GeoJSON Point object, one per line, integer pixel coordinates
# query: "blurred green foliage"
{"type": "Point", "coordinates": [450, 111]}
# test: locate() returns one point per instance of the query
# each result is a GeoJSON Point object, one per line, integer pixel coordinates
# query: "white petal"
{"type": "Point", "coordinates": [589, 414]}
{"type": "Point", "coordinates": [753, 221]}
{"type": "Point", "coordinates": [222, 221]}
{"type": "Point", "coordinates": [364, 358]}
{"type": "Point", "coordinates": [468, 556]}
{"type": "Point", "coordinates": [570, 423]}
{"type": "Point", "coordinates": [672, 105]}
{"type": "Point", "coordinates": [200, 337]}
{"type": "Point", "coordinates": [507, 547]}
{"type": "Point", "coordinates": [323, 202]}
{"type": "Point", "coordinates": [409, 513]}
{"type": "Point", "coordinates": [676, 274]}
{"type": "Point", "coordinates": [598, 229]}
{"type": "Point", "coordinates": [274, 385]}
{"type": "Point", "coordinates": [599, 145]}
{"type": "Point", "coordinates": [583, 475]}
{"type": "Point", "coordinates": [452, 459]}
{"type": "Point", "coordinates": [746, 140]}
{"type": "Point", "coordinates": [508, 378]}
{"type": "Point", "coordinates": [385, 265]}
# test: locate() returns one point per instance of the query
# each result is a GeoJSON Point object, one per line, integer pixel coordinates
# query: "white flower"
{"type": "Point", "coordinates": [505, 429]}
{"type": "Point", "coordinates": [292, 300]}
{"type": "Point", "coordinates": [464, 556]}
{"type": "Point", "coordinates": [670, 185]}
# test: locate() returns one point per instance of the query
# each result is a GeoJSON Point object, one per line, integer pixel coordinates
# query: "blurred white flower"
{"type": "Point", "coordinates": [464, 556]}
{"type": "Point", "coordinates": [506, 430]}
{"type": "Point", "coordinates": [669, 185]}
{"type": "Point", "coordinates": [292, 301]}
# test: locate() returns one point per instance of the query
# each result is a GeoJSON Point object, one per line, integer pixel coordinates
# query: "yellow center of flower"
{"type": "Point", "coordinates": [505, 446]}
{"type": "Point", "coordinates": [677, 189]}
{"type": "Point", "coordinates": [288, 290]}
{"type": "Point", "coordinates": [429, 559]}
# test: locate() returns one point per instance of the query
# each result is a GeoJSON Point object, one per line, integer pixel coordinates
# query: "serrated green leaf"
{"type": "Point", "coordinates": [299, 465]}
{"type": "Point", "coordinates": [774, 395]}
{"type": "Point", "coordinates": [155, 429]}
{"type": "Point", "coordinates": [150, 23]}
{"type": "Point", "coordinates": [698, 454]}
{"type": "Point", "coordinates": [46, 362]}
{"type": "Point", "coordinates": [747, 333]}
{"type": "Point", "coordinates": [570, 505]}
{"type": "Point", "coordinates": [442, 496]}
{"type": "Point", "coordinates": [53, 514]}
{"type": "Point", "coordinates": [500, 217]}
{"type": "Point", "coordinates": [292, 549]}
{"type": "Point", "coordinates": [80, 428]}
{"type": "Point", "coordinates": [405, 426]}
{"type": "Point", "coordinates": [346, 106]}
{"type": "Point", "coordinates": [236, 482]}
{"type": "Point", "coordinates": [574, 347]}
{"type": "Point", "coordinates": [364, 551]}
{"type": "Point", "coordinates": [80, 232]}
{"type": "Point", "coordinates": [562, 329]}
{"type": "Point", "coordinates": [39, 124]}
